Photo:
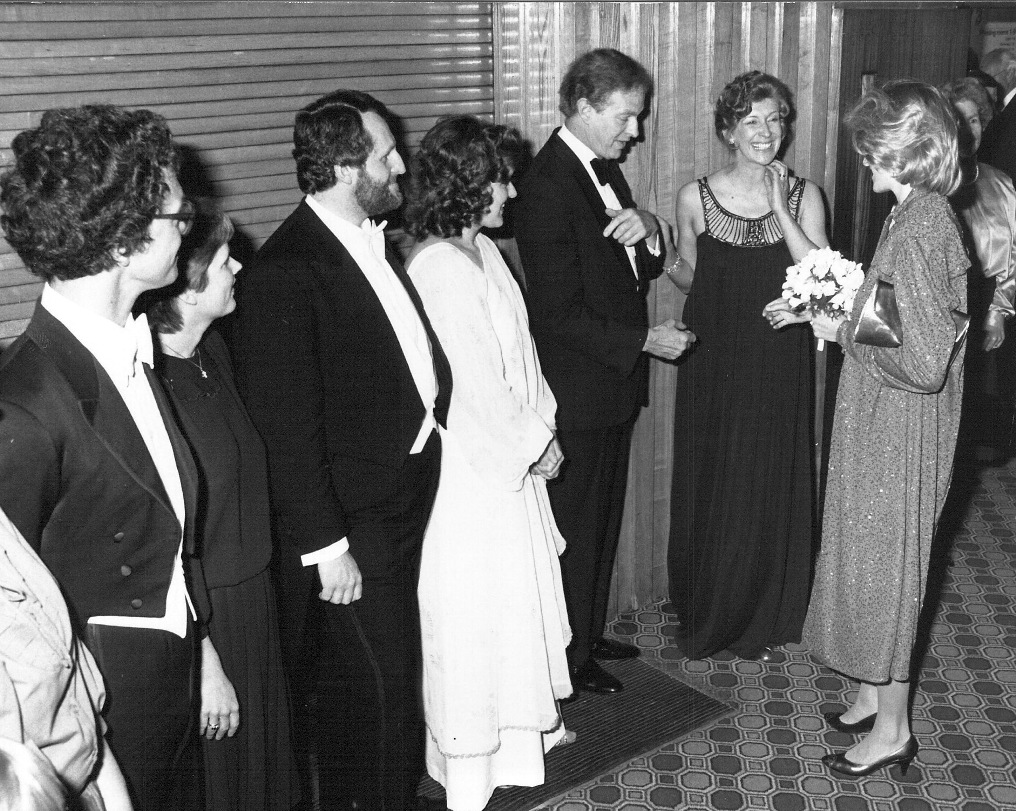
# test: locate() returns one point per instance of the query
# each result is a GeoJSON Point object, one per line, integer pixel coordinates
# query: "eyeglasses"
{"type": "Point", "coordinates": [184, 217]}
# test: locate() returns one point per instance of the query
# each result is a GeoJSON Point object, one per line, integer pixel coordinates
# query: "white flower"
{"type": "Point", "coordinates": [824, 281]}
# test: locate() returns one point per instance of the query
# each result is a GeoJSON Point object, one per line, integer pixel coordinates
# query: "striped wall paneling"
{"type": "Point", "coordinates": [229, 77]}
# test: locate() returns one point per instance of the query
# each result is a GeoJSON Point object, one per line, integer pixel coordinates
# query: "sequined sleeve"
{"type": "Point", "coordinates": [923, 257]}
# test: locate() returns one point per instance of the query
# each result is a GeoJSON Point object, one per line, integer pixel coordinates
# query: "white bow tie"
{"type": "Point", "coordinates": [375, 233]}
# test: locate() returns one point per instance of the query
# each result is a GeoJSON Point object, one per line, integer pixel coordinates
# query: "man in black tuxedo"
{"type": "Point", "coordinates": [998, 143]}
{"type": "Point", "coordinates": [589, 254]}
{"type": "Point", "coordinates": [93, 471]}
{"type": "Point", "coordinates": [346, 381]}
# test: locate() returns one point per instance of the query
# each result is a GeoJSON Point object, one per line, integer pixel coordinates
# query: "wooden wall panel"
{"type": "Point", "coordinates": [929, 45]}
{"type": "Point", "coordinates": [692, 50]}
{"type": "Point", "coordinates": [229, 77]}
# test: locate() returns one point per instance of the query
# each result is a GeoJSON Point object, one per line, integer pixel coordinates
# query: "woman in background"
{"type": "Point", "coordinates": [492, 605]}
{"type": "Point", "coordinates": [894, 433]}
{"type": "Point", "coordinates": [244, 720]}
{"type": "Point", "coordinates": [986, 203]}
{"type": "Point", "coordinates": [742, 507]}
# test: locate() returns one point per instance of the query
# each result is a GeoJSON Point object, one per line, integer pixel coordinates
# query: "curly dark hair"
{"type": "Point", "coordinates": [595, 76]}
{"type": "Point", "coordinates": [85, 186]}
{"type": "Point", "coordinates": [450, 177]}
{"type": "Point", "coordinates": [736, 100]}
{"type": "Point", "coordinates": [211, 230]}
{"type": "Point", "coordinates": [330, 132]}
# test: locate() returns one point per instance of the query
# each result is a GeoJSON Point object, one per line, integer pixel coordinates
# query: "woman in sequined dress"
{"type": "Point", "coordinates": [742, 508]}
{"type": "Point", "coordinates": [895, 428]}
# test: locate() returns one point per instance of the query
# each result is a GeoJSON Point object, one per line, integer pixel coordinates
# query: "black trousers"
{"type": "Point", "coordinates": [355, 670]}
{"type": "Point", "coordinates": [148, 675]}
{"type": "Point", "coordinates": [588, 499]}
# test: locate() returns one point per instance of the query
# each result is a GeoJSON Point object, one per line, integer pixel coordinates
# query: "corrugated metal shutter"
{"type": "Point", "coordinates": [229, 77]}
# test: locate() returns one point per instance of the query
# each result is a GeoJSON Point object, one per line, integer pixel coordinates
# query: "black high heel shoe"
{"type": "Point", "coordinates": [838, 762]}
{"type": "Point", "coordinates": [864, 725]}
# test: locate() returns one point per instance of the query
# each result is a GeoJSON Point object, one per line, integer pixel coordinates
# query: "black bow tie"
{"type": "Point", "coordinates": [601, 168]}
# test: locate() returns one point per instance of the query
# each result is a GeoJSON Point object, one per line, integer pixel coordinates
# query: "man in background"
{"type": "Point", "coordinates": [998, 143]}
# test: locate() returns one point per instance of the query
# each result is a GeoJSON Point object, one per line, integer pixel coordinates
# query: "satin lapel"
{"type": "Point", "coordinates": [593, 199]}
{"type": "Point", "coordinates": [101, 404]}
{"type": "Point", "coordinates": [442, 369]}
{"type": "Point", "coordinates": [624, 196]}
{"type": "Point", "coordinates": [347, 284]}
{"type": "Point", "coordinates": [181, 452]}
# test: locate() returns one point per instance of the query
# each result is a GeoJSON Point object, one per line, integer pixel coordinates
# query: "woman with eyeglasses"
{"type": "Point", "coordinates": [244, 715]}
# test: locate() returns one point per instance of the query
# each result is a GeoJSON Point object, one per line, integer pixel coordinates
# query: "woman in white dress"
{"type": "Point", "coordinates": [492, 607]}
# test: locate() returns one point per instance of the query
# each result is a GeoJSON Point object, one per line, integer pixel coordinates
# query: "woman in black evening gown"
{"type": "Point", "coordinates": [742, 506]}
{"type": "Point", "coordinates": [244, 720]}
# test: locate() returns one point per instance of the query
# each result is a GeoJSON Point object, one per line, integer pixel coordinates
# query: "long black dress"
{"type": "Point", "coordinates": [255, 768]}
{"type": "Point", "coordinates": [741, 517]}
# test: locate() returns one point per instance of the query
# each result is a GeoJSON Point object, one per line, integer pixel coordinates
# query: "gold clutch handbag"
{"type": "Point", "coordinates": [879, 324]}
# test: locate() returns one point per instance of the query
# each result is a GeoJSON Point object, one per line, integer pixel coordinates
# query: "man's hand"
{"type": "Point", "coordinates": [630, 225]}
{"type": "Point", "coordinates": [549, 464]}
{"type": "Point", "coordinates": [341, 582]}
{"type": "Point", "coordinates": [668, 340]}
{"type": "Point", "coordinates": [994, 330]}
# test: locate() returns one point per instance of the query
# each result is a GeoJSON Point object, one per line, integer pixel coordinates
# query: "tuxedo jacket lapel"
{"type": "Point", "coordinates": [350, 278]}
{"type": "Point", "coordinates": [442, 369]}
{"type": "Point", "coordinates": [104, 409]}
{"type": "Point", "coordinates": [595, 202]}
{"type": "Point", "coordinates": [345, 281]}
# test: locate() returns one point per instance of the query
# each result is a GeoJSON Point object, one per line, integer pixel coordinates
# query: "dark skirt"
{"type": "Point", "coordinates": [254, 769]}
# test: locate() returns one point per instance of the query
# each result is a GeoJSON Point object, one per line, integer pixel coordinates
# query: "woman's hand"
{"type": "Point", "coordinates": [826, 327]}
{"type": "Point", "coordinates": [220, 710]}
{"type": "Point", "coordinates": [779, 314]}
{"type": "Point", "coordinates": [777, 185]}
{"type": "Point", "coordinates": [549, 464]}
{"type": "Point", "coordinates": [994, 330]}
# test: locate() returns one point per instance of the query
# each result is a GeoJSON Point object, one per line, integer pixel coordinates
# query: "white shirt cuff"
{"type": "Point", "coordinates": [654, 249]}
{"type": "Point", "coordinates": [330, 552]}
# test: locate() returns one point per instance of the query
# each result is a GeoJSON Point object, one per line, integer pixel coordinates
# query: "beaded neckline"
{"type": "Point", "coordinates": [745, 232]}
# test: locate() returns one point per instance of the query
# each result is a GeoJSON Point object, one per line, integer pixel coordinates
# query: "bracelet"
{"type": "Point", "coordinates": [675, 266]}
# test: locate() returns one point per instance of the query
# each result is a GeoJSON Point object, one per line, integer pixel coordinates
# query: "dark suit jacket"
{"type": "Point", "coordinates": [586, 307]}
{"type": "Point", "coordinates": [998, 144]}
{"type": "Point", "coordinates": [77, 480]}
{"type": "Point", "coordinates": [324, 378]}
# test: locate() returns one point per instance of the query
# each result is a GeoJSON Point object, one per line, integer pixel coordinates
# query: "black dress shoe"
{"type": "Point", "coordinates": [864, 725]}
{"type": "Point", "coordinates": [594, 679]}
{"type": "Point", "coordinates": [838, 762]}
{"type": "Point", "coordinates": [611, 649]}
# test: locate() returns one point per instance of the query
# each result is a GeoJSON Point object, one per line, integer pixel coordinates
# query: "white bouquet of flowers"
{"type": "Point", "coordinates": [823, 282]}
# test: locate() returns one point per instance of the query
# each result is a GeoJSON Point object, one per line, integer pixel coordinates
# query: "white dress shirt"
{"type": "Point", "coordinates": [120, 351]}
{"type": "Point", "coordinates": [607, 193]}
{"type": "Point", "coordinates": [366, 246]}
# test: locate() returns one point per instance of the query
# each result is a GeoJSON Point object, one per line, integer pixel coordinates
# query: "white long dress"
{"type": "Point", "coordinates": [494, 620]}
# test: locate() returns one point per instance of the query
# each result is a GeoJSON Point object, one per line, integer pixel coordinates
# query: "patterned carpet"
{"type": "Point", "coordinates": [766, 755]}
